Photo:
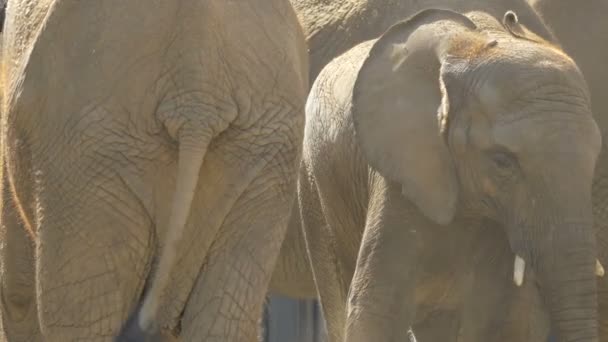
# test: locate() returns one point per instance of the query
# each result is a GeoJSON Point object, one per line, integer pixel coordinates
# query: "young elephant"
{"type": "Point", "coordinates": [151, 151]}
{"type": "Point", "coordinates": [447, 119]}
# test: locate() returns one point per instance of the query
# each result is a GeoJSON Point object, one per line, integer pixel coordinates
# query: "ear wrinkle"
{"type": "Point", "coordinates": [401, 137]}
{"type": "Point", "coordinates": [452, 95]}
{"type": "Point", "coordinates": [444, 108]}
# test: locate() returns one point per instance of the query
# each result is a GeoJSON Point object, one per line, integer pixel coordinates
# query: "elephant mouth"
{"type": "Point", "coordinates": [519, 270]}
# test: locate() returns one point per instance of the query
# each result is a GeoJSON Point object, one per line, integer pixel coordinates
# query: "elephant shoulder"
{"type": "Point", "coordinates": [330, 146]}
{"type": "Point", "coordinates": [328, 106]}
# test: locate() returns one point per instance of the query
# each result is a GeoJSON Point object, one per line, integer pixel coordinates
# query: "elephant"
{"type": "Point", "coordinates": [472, 300]}
{"type": "Point", "coordinates": [483, 303]}
{"type": "Point", "coordinates": [20, 323]}
{"type": "Point", "coordinates": [471, 297]}
{"type": "Point", "coordinates": [333, 27]}
{"type": "Point", "coordinates": [447, 120]}
{"type": "Point", "coordinates": [292, 276]}
{"type": "Point", "coordinates": [149, 161]}
{"type": "Point", "coordinates": [581, 30]}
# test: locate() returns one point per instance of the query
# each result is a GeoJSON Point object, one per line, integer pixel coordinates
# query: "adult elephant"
{"type": "Point", "coordinates": [332, 27]}
{"type": "Point", "coordinates": [448, 119]}
{"type": "Point", "coordinates": [141, 134]}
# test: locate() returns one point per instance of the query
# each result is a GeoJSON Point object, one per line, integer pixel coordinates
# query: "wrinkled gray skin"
{"type": "Point", "coordinates": [580, 28]}
{"type": "Point", "coordinates": [356, 220]}
{"type": "Point", "coordinates": [470, 297]}
{"type": "Point", "coordinates": [331, 28]}
{"type": "Point", "coordinates": [139, 134]}
{"type": "Point", "coordinates": [464, 297]}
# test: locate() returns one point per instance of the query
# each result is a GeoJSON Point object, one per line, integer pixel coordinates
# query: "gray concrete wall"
{"type": "Point", "coordinates": [290, 320]}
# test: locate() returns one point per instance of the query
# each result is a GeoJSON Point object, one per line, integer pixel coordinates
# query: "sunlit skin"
{"type": "Point", "coordinates": [516, 145]}
{"type": "Point", "coordinates": [150, 149]}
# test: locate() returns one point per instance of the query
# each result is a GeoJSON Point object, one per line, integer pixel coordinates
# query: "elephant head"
{"type": "Point", "coordinates": [492, 122]}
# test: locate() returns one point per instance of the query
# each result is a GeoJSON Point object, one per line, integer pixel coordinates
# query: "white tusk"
{"type": "Point", "coordinates": [519, 268]}
{"type": "Point", "coordinates": [599, 269]}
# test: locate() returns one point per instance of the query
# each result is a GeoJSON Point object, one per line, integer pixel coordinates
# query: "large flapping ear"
{"type": "Point", "coordinates": [400, 104]}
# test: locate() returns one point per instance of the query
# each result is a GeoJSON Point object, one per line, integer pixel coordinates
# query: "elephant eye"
{"type": "Point", "coordinates": [503, 160]}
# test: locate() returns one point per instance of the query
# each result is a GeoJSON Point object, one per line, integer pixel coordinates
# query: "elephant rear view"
{"type": "Point", "coordinates": [447, 119]}
{"type": "Point", "coordinates": [151, 150]}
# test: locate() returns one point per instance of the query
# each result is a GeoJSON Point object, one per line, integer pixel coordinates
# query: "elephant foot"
{"type": "Point", "coordinates": [132, 331]}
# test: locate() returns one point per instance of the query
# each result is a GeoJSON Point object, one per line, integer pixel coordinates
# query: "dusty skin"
{"type": "Point", "coordinates": [137, 136]}
{"type": "Point", "coordinates": [508, 161]}
{"type": "Point", "coordinates": [579, 28]}
{"type": "Point", "coordinates": [582, 30]}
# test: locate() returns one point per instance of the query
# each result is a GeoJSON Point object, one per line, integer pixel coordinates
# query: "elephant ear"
{"type": "Point", "coordinates": [511, 23]}
{"type": "Point", "coordinates": [400, 107]}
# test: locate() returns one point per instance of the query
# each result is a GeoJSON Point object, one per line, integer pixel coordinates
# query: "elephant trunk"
{"type": "Point", "coordinates": [568, 281]}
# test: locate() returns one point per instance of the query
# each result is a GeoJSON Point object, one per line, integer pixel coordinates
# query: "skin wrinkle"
{"type": "Point", "coordinates": [332, 28]}
{"type": "Point", "coordinates": [323, 93]}
{"type": "Point", "coordinates": [324, 26]}
{"type": "Point", "coordinates": [574, 102]}
{"type": "Point", "coordinates": [117, 137]}
{"type": "Point", "coordinates": [540, 93]}
{"type": "Point", "coordinates": [220, 247]}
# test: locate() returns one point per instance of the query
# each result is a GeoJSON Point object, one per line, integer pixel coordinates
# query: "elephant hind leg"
{"type": "Point", "coordinates": [95, 248]}
{"type": "Point", "coordinates": [292, 275]}
{"type": "Point", "coordinates": [228, 297]}
{"type": "Point", "coordinates": [331, 278]}
{"type": "Point", "coordinates": [17, 291]}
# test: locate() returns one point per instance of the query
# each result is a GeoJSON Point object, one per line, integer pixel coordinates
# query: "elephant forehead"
{"type": "Point", "coordinates": [524, 75]}
{"type": "Point", "coordinates": [548, 133]}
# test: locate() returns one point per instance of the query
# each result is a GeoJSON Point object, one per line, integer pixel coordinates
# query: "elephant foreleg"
{"type": "Point", "coordinates": [494, 308]}
{"type": "Point", "coordinates": [331, 279]}
{"type": "Point", "coordinates": [381, 297]}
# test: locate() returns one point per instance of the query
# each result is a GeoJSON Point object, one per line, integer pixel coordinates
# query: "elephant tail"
{"type": "Point", "coordinates": [141, 325]}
